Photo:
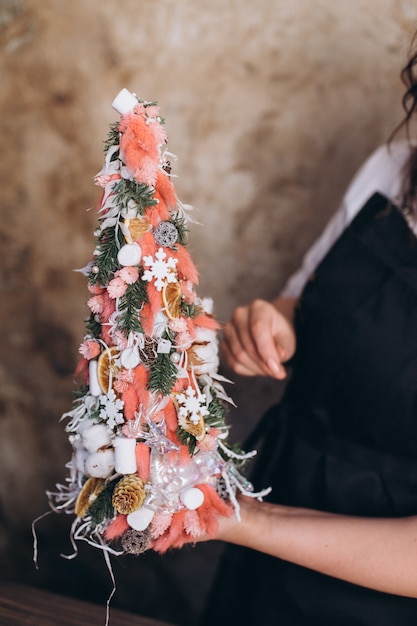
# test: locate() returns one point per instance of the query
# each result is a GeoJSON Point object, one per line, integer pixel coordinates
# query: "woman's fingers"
{"type": "Point", "coordinates": [250, 347]}
{"type": "Point", "coordinates": [237, 352]}
{"type": "Point", "coordinates": [264, 323]}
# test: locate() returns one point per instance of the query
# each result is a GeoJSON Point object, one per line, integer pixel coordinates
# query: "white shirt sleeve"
{"type": "Point", "coordinates": [383, 172]}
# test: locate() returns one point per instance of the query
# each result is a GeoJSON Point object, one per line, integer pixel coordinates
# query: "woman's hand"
{"type": "Point", "coordinates": [260, 338]}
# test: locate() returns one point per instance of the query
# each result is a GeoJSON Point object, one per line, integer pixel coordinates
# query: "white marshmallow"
{"type": "Point", "coordinates": [95, 388]}
{"type": "Point", "coordinates": [124, 102]}
{"type": "Point", "coordinates": [140, 519]}
{"type": "Point", "coordinates": [125, 455]}
{"type": "Point", "coordinates": [192, 498]}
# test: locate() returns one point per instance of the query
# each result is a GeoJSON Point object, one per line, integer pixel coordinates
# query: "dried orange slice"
{"type": "Point", "coordinates": [197, 430]}
{"type": "Point", "coordinates": [89, 492]}
{"type": "Point", "coordinates": [107, 368]}
{"type": "Point", "coordinates": [137, 227]}
{"type": "Point", "coordinates": [171, 297]}
{"type": "Point", "coordinates": [193, 358]}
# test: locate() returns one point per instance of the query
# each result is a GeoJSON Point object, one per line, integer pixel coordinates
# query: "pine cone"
{"type": "Point", "coordinates": [149, 351]}
{"type": "Point", "coordinates": [129, 494]}
{"type": "Point", "coordinates": [136, 542]}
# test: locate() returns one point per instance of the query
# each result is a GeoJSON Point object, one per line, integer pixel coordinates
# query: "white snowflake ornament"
{"type": "Point", "coordinates": [111, 410]}
{"type": "Point", "coordinates": [191, 406]}
{"type": "Point", "coordinates": [161, 271]}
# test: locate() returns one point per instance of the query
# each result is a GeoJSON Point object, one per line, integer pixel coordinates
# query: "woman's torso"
{"type": "Point", "coordinates": [344, 437]}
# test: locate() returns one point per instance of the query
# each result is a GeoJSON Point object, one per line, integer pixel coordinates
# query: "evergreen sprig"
{"type": "Point", "coordinates": [130, 305]}
{"type": "Point", "coordinates": [95, 414]}
{"type": "Point", "coordinates": [217, 411]}
{"type": "Point", "coordinates": [148, 103]}
{"type": "Point", "coordinates": [154, 103]}
{"type": "Point", "coordinates": [109, 243]}
{"type": "Point", "coordinates": [181, 225]}
{"type": "Point", "coordinates": [170, 335]}
{"type": "Point", "coordinates": [112, 139]}
{"type": "Point", "coordinates": [80, 393]}
{"type": "Point", "coordinates": [93, 327]}
{"type": "Point", "coordinates": [186, 439]}
{"type": "Point", "coordinates": [162, 375]}
{"type": "Point", "coordinates": [102, 508]}
{"type": "Point", "coordinates": [188, 309]}
{"type": "Point", "coordinates": [128, 191]}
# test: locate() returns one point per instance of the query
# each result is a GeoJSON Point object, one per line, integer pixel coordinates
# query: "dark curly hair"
{"type": "Point", "coordinates": [409, 102]}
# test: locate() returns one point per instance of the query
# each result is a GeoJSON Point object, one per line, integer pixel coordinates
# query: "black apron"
{"type": "Point", "coordinates": [344, 437]}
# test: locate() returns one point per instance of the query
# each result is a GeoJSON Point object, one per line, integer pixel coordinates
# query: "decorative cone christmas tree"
{"type": "Point", "coordinates": [151, 465]}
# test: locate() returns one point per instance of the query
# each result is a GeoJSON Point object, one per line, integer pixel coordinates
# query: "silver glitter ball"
{"type": "Point", "coordinates": [166, 234]}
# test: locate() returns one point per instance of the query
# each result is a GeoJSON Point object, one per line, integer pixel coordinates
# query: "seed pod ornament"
{"type": "Point", "coordinates": [150, 441]}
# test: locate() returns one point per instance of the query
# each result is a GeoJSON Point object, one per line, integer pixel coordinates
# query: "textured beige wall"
{"type": "Point", "coordinates": [270, 106]}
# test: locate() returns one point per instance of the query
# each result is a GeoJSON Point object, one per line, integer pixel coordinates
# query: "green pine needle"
{"type": "Point", "coordinates": [95, 414]}
{"type": "Point", "coordinates": [186, 439]}
{"type": "Point", "coordinates": [93, 327]}
{"type": "Point", "coordinates": [130, 306]}
{"type": "Point", "coordinates": [181, 226]}
{"type": "Point", "coordinates": [112, 139]}
{"type": "Point", "coordinates": [110, 241]}
{"type": "Point", "coordinates": [217, 411]}
{"type": "Point", "coordinates": [187, 309]}
{"type": "Point", "coordinates": [154, 103]}
{"type": "Point", "coordinates": [148, 103]}
{"type": "Point", "coordinates": [102, 508]}
{"type": "Point", "coordinates": [163, 375]}
{"type": "Point", "coordinates": [80, 393]}
{"type": "Point", "coordinates": [128, 191]}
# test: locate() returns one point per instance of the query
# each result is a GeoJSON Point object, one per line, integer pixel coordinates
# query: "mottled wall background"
{"type": "Point", "coordinates": [270, 106]}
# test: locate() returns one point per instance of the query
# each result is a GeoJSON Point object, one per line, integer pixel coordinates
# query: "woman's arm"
{"type": "Point", "coordinates": [373, 552]}
{"type": "Point", "coordinates": [260, 338]}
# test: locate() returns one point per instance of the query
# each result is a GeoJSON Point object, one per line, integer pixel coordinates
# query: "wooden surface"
{"type": "Point", "coordinates": [29, 606]}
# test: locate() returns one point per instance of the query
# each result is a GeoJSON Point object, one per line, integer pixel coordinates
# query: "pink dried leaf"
{"type": "Point", "coordinates": [192, 524]}
{"type": "Point", "coordinates": [160, 524]}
